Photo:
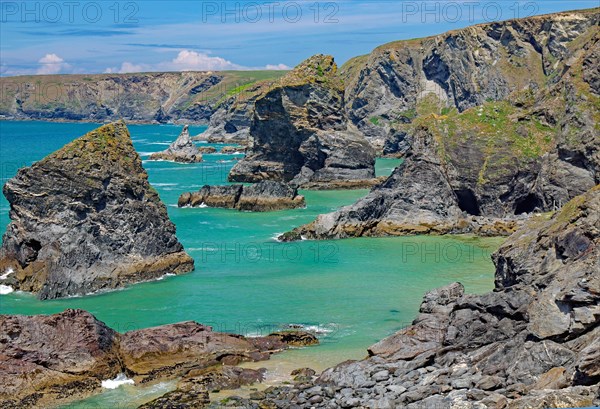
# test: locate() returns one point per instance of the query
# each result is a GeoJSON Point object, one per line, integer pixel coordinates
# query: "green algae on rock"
{"type": "Point", "coordinates": [85, 218]}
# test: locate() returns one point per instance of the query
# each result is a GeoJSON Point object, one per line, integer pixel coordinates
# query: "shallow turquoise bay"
{"type": "Point", "coordinates": [354, 292]}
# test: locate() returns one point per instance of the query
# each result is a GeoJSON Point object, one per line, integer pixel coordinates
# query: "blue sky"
{"type": "Point", "coordinates": [50, 37]}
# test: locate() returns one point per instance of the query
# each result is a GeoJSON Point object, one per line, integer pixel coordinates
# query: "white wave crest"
{"type": "Point", "coordinates": [6, 289]}
{"type": "Point", "coordinates": [121, 379]}
{"type": "Point", "coordinates": [8, 272]}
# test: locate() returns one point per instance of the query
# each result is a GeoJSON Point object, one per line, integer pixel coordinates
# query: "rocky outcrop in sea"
{"type": "Point", "coordinates": [182, 150]}
{"type": "Point", "coordinates": [45, 360]}
{"type": "Point", "coordinates": [260, 197]}
{"type": "Point", "coordinates": [531, 343]}
{"type": "Point", "coordinates": [299, 132]}
{"type": "Point", "coordinates": [86, 219]}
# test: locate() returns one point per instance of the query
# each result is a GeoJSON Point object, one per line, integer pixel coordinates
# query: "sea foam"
{"type": "Point", "coordinates": [6, 289]}
{"type": "Point", "coordinates": [8, 272]}
{"type": "Point", "coordinates": [121, 379]}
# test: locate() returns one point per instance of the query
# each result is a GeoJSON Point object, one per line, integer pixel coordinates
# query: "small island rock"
{"type": "Point", "coordinates": [182, 150]}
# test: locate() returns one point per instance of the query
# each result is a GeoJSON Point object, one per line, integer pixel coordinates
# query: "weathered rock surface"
{"type": "Point", "coordinates": [231, 121]}
{"type": "Point", "coordinates": [193, 391]}
{"type": "Point", "coordinates": [207, 149]}
{"type": "Point", "coordinates": [479, 170]}
{"type": "Point", "coordinates": [385, 90]}
{"type": "Point", "coordinates": [260, 197]}
{"type": "Point", "coordinates": [531, 343]}
{"type": "Point", "coordinates": [299, 132]}
{"type": "Point", "coordinates": [182, 150]}
{"type": "Point", "coordinates": [62, 357]}
{"type": "Point", "coordinates": [231, 150]}
{"type": "Point", "coordinates": [48, 358]}
{"type": "Point", "coordinates": [85, 219]}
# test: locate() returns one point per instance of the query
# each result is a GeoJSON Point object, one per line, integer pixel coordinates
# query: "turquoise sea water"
{"type": "Point", "coordinates": [353, 292]}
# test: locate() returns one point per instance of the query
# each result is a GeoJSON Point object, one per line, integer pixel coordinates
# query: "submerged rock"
{"type": "Point", "coordinates": [261, 197]}
{"type": "Point", "coordinates": [182, 150]}
{"type": "Point", "coordinates": [85, 219]}
{"type": "Point", "coordinates": [300, 134]}
{"type": "Point", "coordinates": [531, 343]}
{"type": "Point", "coordinates": [46, 360]}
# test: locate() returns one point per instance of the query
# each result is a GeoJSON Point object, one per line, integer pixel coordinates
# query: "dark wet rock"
{"type": "Point", "coordinates": [299, 132]}
{"type": "Point", "coordinates": [182, 150]}
{"type": "Point", "coordinates": [295, 338]}
{"type": "Point", "coordinates": [260, 197]}
{"type": "Point", "coordinates": [207, 149]}
{"type": "Point", "coordinates": [85, 219]}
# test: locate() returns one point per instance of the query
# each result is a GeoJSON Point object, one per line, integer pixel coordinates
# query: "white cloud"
{"type": "Point", "coordinates": [188, 60]}
{"type": "Point", "coordinates": [127, 67]}
{"type": "Point", "coordinates": [277, 67]}
{"type": "Point", "coordinates": [52, 64]}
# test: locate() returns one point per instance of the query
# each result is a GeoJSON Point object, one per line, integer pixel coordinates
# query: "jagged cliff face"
{"type": "Point", "coordinates": [231, 121]}
{"type": "Point", "coordinates": [462, 68]}
{"type": "Point", "coordinates": [531, 343]}
{"type": "Point", "coordinates": [463, 171]}
{"type": "Point", "coordinates": [142, 97]}
{"type": "Point", "coordinates": [85, 218]}
{"type": "Point", "coordinates": [299, 133]}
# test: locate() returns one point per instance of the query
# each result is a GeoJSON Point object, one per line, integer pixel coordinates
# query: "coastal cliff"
{"type": "Point", "coordinates": [190, 97]}
{"type": "Point", "coordinates": [85, 218]}
{"type": "Point", "coordinates": [300, 135]}
{"type": "Point", "coordinates": [386, 90]}
{"type": "Point", "coordinates": [480, 169]}
{"type": "Point", "coordinates": [463, 68]}
{"type": "Point", "coordinates": [531, 343]}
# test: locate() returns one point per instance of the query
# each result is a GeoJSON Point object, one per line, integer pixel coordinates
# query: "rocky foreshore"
{"type": "Point", "coordinates": [86, 219]}
{"type": "Point", "coordinates": [45, 360]}
{"type": "Point", "coordinates": [531, 343]}
{"type": "Point", "coordinates": [181, 150]}
{"type": "Point", "coordinates": [264, 196]}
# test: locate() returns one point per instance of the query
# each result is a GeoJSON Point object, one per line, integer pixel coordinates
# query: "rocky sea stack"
{"type": "Point", "coordinates": [264, 196]}
{"type": "Point", "coordinates": [300, 134]}
{"type": "Point", "coordinates": [534, 342]}
{"type": "Point", "coordinates": [182, 150]}
{"type": "Point", "coordinates": [85, 218]}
